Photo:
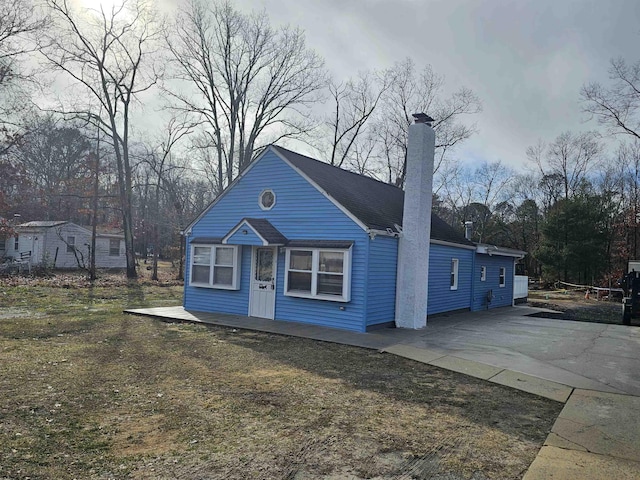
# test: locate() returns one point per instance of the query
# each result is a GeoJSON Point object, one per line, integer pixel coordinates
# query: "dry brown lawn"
{"type": "Point", "coordinates": [89, 392]}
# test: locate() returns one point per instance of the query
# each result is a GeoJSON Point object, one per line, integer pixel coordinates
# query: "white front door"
{"type": "Point", "coordinates": [262, 301]}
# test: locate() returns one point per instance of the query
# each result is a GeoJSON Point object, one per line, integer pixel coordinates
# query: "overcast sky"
{"type": "Point", "coordinates": [526, 60]}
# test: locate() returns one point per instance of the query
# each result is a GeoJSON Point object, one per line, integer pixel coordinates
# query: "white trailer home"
{"type": "Point", "coordinates": [61, 244]}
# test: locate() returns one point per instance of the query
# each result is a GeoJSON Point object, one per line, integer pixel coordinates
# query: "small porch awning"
{"type": "Point", "coordinates": [254, 231]}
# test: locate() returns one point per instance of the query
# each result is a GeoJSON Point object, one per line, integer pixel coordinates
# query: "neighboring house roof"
{"type": "Point", "coordinates": [105, 232]}
{"type": "Point", "coordinates": [376, 204]}
{"type": "Point", "coordinates": [101, 231]}
{"type": "Point", "coordinates": [42, 224]}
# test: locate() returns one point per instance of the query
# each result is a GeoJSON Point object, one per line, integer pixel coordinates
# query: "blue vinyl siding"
{"type": "Point", "coordinates": [240, 238]}
{"type": "Point", "coordinates": [300, 212]}
{"type": "Point", "coordinates": [502, 297]}
{"type": "Point", "coordinates": [214, 300]}
{"type": "Point", "coordinates": [381, 290]}
{"type": "Point", "coordinates": [441, 298]}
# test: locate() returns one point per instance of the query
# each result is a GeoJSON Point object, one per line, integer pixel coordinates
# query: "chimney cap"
{"type": "Point", "coordinates": [422, 118]}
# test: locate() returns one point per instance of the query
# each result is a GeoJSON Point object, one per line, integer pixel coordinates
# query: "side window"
{"type": "Point", "coordinates": [318, 273]}
{"type": "Point", "coordinates": [114, 247]}
{"type": "Point", "coordinates": [215, 266]}
{"type": "Point", "coordinates": [71, 243]}
{"type": "Point", "coordinates": [454, 274]}
{"type": "Point", "coordinates": [503, 276]}
{"type": "Point", "coordinates": [483, 273]}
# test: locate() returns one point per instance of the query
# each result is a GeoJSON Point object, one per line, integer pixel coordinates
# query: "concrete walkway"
{"type": "Point", "coordinates": [593, 368]}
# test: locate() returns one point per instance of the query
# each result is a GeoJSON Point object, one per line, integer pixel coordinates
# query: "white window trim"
{"type": "Point", "coordinates": [263, 207]}
{"type": "Point", "coordinates": [503, 277]}
{"type": "Point", "coordinates": [455, 263]}
{"type": "Point", "coordinates": [483, 273]}
{"type": "Point", "coordinates": [235, 282]}
{"type": "Point", "coordinates": [315, 255]}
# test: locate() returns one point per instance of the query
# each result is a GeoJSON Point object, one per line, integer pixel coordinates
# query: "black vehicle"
{"type": "Point", "coordinates": [631, 301]}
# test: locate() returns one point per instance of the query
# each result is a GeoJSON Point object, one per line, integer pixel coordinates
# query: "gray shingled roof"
{"type": "Point", "coordinates": [43, 224]}
{"type": "Point", "coordinates": [376, 204]}
{"type": "Point", "coordinates": [266, 230]}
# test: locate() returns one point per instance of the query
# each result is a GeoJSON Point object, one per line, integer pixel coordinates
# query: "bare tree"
{"type": "Point", "coordinates": [206, 159]}
{"type": "Point", "coordinates": [353, 104]}
{"type": "Point", "coordinates": [55, 156]}
{"type": "Point", "coordinates": [18, 23]}
{"type": "Point", "coordinates": [627, 186]}
{"type": "Point", "coordinates": [491, 181]}
{"type": "Point", "coordinates": [159, 161]}
{"type": "Point", "coordinates": [108, 55]}
{"type": "Point", "coordinates": [249, 80]}
{"type": "Point", "coordinates": [456, 191]}
{"type": "Point", "coordinates": [617, 106]}
{"type": "Point", "coordinates": [474, 194]}
{"type": "Point", "coordinates": [411, 92]}
{"type": "Point", "coordinates": [568, 158]}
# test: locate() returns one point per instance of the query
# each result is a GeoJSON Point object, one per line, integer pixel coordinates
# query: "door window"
{"type": "Point", "coordinates": [264, 265]}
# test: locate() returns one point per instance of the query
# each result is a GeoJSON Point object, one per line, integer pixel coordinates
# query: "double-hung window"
{"type": "Point", "coordinates": [453, 283]}
{"type": "Point", "coordinates": [483, 273]}
{"type": "Point", "coordinates": [318, 273]}
{"type": "Point", "coordinates": [503, 276]}
{"type": "Point", "coordinates": [215, 266]}
{"type": "Point", "coordinates": [114, 247]}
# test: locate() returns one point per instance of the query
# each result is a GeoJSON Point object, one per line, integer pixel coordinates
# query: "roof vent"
{"type": "Point", "coordinates": [422, 118]}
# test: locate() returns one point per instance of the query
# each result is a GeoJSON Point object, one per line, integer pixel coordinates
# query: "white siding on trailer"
{"type": "Point", "coordinates": [103, 257]}
{"type": "Point", "coordinates": [29, 241]}
{"type": "Point", "coordinates": [55, 247]}
{"type": "Point", "coordinates": [10, 244]}
{"type": "Point", "coordinates": [8, 247]}
{"type": "Point", "coordinates": [49, 246]}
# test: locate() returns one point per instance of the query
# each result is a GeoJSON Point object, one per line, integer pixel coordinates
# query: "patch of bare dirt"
{"type": "Point", "coordinates": [575, 306]}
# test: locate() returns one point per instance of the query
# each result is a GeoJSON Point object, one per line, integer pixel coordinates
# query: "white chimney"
{"type": "Point", "coordinates": [413, 248]}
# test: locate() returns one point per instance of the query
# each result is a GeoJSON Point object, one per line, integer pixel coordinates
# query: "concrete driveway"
{"type": "Point", "coordinates": [592, 368]}
{"type": "Point", "coordinates": [590, 356]}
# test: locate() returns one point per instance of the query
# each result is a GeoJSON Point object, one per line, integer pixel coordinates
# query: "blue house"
{"type": "Point", "coordinates": [299, 240]}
